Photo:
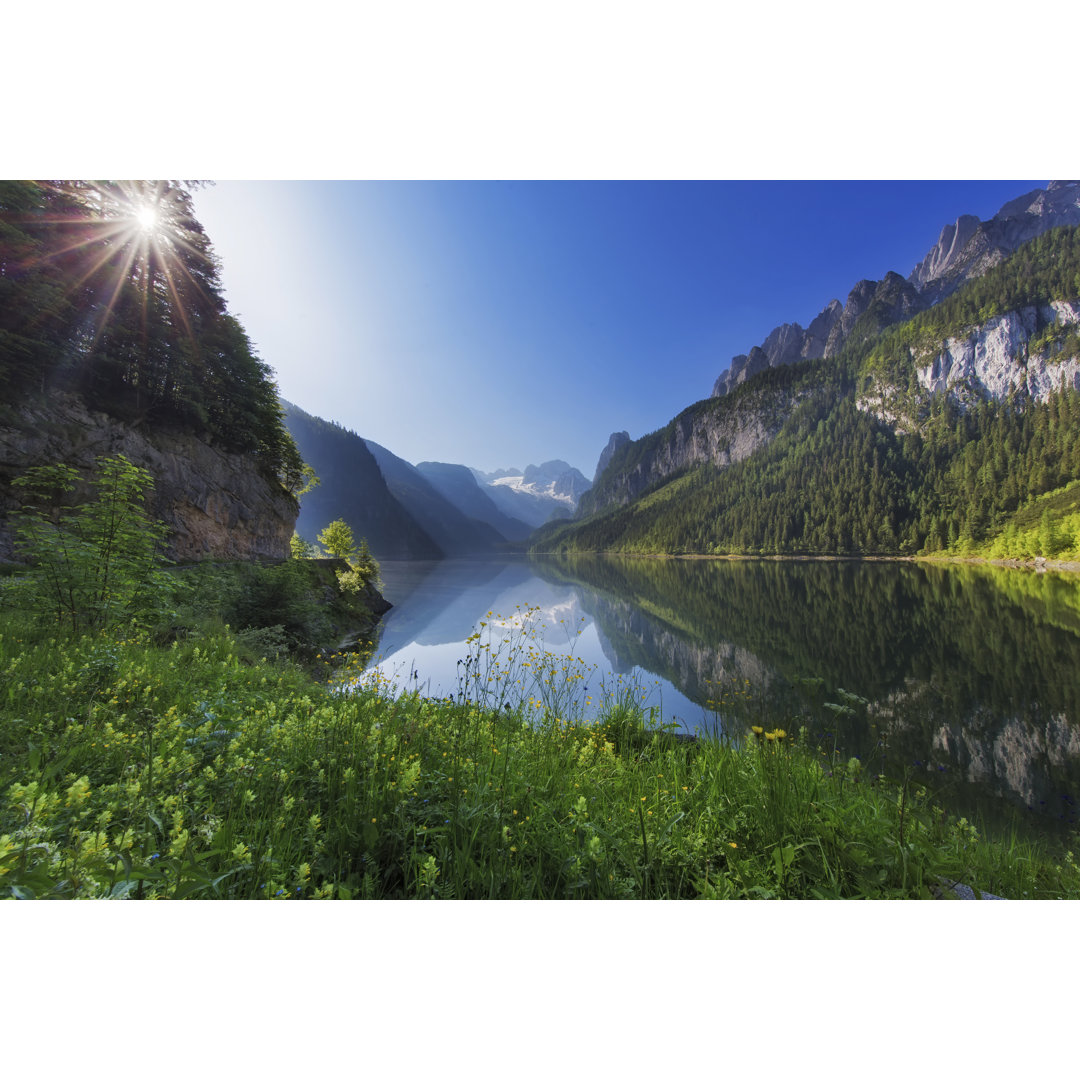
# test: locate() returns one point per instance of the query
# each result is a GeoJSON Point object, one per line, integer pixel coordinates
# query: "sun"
{"type": "Point", "coordinates": [146, 217]}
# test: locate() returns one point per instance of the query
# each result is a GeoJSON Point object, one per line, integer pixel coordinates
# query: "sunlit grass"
{"type": "Point", "coordinates": [200, 770]}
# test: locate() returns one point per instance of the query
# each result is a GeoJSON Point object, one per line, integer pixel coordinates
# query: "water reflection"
{"type": "Point", "coordinates": [962, 676]}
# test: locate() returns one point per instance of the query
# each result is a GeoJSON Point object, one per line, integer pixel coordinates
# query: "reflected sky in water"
{"type": "Point", "coordinates": [437, 605]}
{"type": "Point", "coordinates": [961, 677]}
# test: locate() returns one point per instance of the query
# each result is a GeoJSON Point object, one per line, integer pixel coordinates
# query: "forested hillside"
{"type": "Point", "coordinates": [860, 457]}
{"type": "Point", "coordinates": [110, 291]}
{"type": "Point", "coordinates": [115, 339]}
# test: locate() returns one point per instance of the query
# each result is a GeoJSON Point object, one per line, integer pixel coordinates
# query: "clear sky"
{"type": "Point", "coordinates": [499, 324]}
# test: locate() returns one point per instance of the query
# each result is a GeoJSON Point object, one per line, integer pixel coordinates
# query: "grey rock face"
{"type": "Point", "coordinates": [698, 436]}
{"type": "Point", "coordinates": [995, 359]}
{"type": "Point", "coordinates": [970, 247]}
{"type": "Point", "coordinates": [216, 505]}
{"type": "Point", "coordinates": [965, 250]}
{"type": "Point", "coordinates": [618, 439]}
{"type": "Point", "coordinates": [817, 334]}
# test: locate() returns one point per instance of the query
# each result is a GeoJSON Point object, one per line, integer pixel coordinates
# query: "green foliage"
{"type": "Point", "coordinates": [363, 570]}
{"type": "Point", "coordinates": [299, 548]}
{"type": "Point", "coordinates": [289, 608]}
{"type": "Point", "coordinates": [136, 771]}
{"type": "Point", "coordinates": [838, 480]}
{"type": "Point", "coordinates": [337, 538]}
{"type": "Point", "coordinates": [133, 323]}
{"type": "Point", "coordinates": [96, 563]}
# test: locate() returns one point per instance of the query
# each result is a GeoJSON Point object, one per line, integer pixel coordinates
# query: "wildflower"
{"type": "Point", "coordinates": [732, 844]}
{"type": "Point", "coordinates": [780, 733]}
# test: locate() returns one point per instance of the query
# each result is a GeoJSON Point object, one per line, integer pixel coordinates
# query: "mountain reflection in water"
{"type": "Point", "coordinates": [963, 677]}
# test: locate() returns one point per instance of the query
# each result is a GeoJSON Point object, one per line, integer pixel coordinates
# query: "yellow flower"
{"type": "Point", "coordinates": [758, 731]}
{"type": "Point", "coordinates": [771, 736]}
{"type": "Point", "coordinates": [732, 844]}
{"type": "Point", "coordinates": [780, 733]}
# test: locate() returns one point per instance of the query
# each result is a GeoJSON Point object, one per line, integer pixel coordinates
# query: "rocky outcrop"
{"type": "Point", "coordinates": [216, 505]}
{"type": "Point", "coordinates": [707, 433]}
{"type": "Point", "coordinates": [870, 306]}
{"type": "Point", "coordinates": [970, 247]}
{"type": "Point", "coordinates": [997, 358]}
{"type": "Point", "coordinates": [618, 440]}
{"type": "Point", "coordinates": [965, 250]}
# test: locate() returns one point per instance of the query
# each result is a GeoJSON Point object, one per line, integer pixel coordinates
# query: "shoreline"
{"type": "Point", "coordinates": [1038, 565]}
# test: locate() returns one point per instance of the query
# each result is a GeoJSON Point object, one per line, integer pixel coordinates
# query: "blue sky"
{"type": "Point", "coordinates": [499, 324]}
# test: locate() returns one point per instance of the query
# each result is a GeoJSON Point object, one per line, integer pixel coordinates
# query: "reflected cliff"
{"type": "Point", "coordinates": [967, 674]}
{"type": "Point", "coordinates": [961, 676]}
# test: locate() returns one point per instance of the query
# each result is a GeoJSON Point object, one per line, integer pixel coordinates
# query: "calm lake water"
{"type": "Point", "coordinates": [965, 677]}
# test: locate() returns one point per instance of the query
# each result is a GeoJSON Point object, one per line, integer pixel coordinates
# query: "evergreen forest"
{"type": "Point", "coordinates": [864, 460]}
{"type": "Point", "coordinates": [111, 291]}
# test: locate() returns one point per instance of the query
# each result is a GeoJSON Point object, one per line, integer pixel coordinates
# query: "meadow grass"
{"type": "Point", "coordinates": [131, 769]}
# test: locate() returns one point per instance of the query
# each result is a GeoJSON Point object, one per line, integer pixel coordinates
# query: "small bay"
{"type": "Point", "coordinates": [963, 678]}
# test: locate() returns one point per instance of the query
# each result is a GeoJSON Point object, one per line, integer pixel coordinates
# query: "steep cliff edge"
{"type": "Point", "coordinates": [966, 249]}
{"type": "Point", "coordinates": [1020, 352]}
{"type": "Point", "coordinates": [718, 432]}
{"type": "Point", "coordinates": [217, 505]}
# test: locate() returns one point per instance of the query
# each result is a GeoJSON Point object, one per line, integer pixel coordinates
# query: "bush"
{"type": "Point", "coordinates": [95, 563]}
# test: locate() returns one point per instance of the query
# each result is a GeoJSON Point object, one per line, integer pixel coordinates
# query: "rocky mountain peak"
{"type": "Point", "coordinates": [966, 249]}
{"type": "Point", "coordinates": [618, 439]}
{"type": "Point", "coordinates": [970, 247]}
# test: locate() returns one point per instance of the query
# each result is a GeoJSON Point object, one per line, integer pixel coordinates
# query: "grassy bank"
{"type": "Point", "coordinates": [200, 769]}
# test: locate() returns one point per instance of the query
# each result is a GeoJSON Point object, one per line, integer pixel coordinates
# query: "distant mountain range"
{"type": "Point", "coordinates": [427, 511]}
{"type": "Point", "coordinates": [539, 494]}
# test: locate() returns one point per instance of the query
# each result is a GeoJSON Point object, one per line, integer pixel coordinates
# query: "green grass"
{"type": "Point", "coordinates": [198, 769]}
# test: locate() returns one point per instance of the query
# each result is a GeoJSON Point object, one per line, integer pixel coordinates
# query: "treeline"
{"type": "Point", "coordinates": [837, 480]}
{"type": "Point", "coordinates": [112, 291]}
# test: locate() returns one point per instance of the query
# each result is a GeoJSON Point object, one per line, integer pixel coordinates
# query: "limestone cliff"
{"type": "Point", "coordinates": [217, 505]}
{"type": "Point", "coordinates": [965, 250]}
{"type": "Point", "coordinates": [870, 306]}
{"type": "Point", "coordinates": [715, 432]}
{"type": "Point", "coordinates": [1004, 356]}
{"type": "Point", "coordinates": [970, 247]}
{"type": "Point", "coordinates": [618, 440]}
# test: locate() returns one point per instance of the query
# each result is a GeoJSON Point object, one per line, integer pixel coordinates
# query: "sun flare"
{"type": "Point", "coordinates": [146, 217]}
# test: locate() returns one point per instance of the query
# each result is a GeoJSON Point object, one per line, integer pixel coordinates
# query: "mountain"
{"type": "Point", "coordinates": [618, 440]}
{"type": "Point", "coordinates": [937, 431]}
{"type": "Point", "coordinates": [459, 486]}
{"type": "Point", "coordinates": [540, 493]}
{"type": "Point", "coordinates": [454, 532]}
{"type": "Point", "coordinates": [965, 250]}
{"type": "Point", "coordinates": [118, 341]}
{"type": "Point", "coordinates": [351, 487]}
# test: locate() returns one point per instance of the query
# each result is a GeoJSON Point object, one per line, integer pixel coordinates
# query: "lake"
{"type": "Point", "coordinates": [965, 678]}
